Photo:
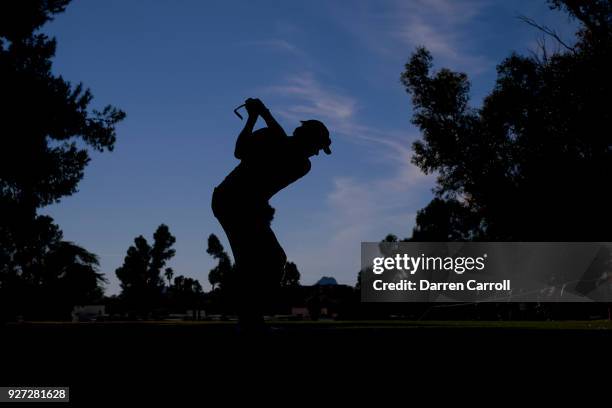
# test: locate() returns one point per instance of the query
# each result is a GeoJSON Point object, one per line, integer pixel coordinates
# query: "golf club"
{"type": "Point", "coordinates": [236, 111]}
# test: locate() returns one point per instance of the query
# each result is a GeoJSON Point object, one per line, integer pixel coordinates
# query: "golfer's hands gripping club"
{"type": "Point", "coordinates": [255, 107]}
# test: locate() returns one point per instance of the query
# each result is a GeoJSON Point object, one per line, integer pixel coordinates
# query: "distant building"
{"type": "Point", "coordinates": [300, 312]}
{"type": "Point", "coordinates": [324, 299]}
{"type": "Point", "coordinates": [88, 313]}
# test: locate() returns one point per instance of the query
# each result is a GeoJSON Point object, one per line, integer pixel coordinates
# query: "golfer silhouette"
{"type": "Point", "coordinates": [269, 161]}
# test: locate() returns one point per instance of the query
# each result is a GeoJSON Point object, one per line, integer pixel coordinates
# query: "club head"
{"type": "Point", "coordinates": [236, 111]}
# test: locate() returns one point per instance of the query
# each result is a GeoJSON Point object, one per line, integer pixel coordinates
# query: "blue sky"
{"type": "Point", "coordinates": [178, 68]}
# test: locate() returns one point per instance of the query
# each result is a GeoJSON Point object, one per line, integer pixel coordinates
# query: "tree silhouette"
{"type": "Point", "coordinates": [186, 293]}
{"type": "Point", "coordinates": [78, 268]}
{"type": "Point", "coordinates": [169, 273]}
{"type": "Point", "coordinates": [528, 164]}
{"type": "Point", "coordinates": [140, 275]}
{"type": "Point", "coordinates": [49, 276]}
{"type": "Point", "coordinates": [43, 115]}
{"type": "Point", "coordinates": [291, 275]}
{"type": "Point", "coordinates": [444, 220]}
{"type": "Point", "coordinates": [48, 130]}
{"type": "Point", "coordinates": [219, 275]}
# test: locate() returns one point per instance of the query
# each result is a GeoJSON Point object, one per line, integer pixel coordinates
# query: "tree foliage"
{"type": "Point", "coordinates": [142, 283]}
{"type": "Point", "coordinates": [530, 164]}
{"type": "Point", "coordinates": [47, 130]}
{"type": "Point", "coordinates": [49, 276]}
{"type": "Point", "coordinates": [186, 293]}
{"type": "Point", "coordinates": [291, 275]}
{"type": "Point", "coordinates": [219, 276]}
{"type": "Point", "coordinates": [46, 120]}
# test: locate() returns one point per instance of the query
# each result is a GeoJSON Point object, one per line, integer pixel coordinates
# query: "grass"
{"type": "Point", "coordinates": [368, 324]}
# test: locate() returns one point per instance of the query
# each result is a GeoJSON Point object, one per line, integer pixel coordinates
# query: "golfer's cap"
{"type": "Point", "coordinates": [320, 132]}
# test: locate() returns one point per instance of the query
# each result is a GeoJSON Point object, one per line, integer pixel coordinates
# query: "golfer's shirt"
{"type": "Point", "coordinates": [269, 163]}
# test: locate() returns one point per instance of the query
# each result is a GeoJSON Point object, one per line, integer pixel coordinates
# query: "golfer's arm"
{"type": "Point", "coordinates": [273, 125]}
{"type": "Point", "coordinates": [247, 131]}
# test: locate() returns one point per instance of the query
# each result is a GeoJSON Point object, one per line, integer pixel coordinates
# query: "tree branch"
{"type": "Point", "coordinates": [548, 31]}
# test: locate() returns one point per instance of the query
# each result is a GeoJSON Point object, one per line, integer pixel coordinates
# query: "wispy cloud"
{"type": "Point", "coordinates": [361, 207]}
{"type": "Point", "coordinates": [443, 26]}
{"type": "Point", "coordinates": [309, 98]}
{"type": "Point", "coordinates": [275, 44]}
